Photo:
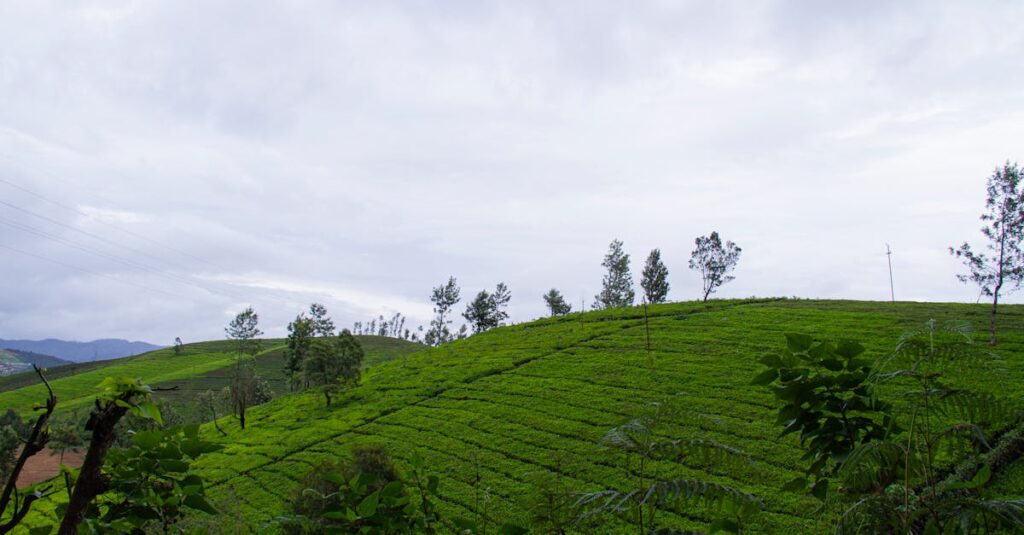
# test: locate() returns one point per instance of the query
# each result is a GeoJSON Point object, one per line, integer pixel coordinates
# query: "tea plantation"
{"type": "Point", "coordinates": [492, 412]}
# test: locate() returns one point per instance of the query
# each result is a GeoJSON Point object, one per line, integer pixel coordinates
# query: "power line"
{"type": "Point", "coordinates": [105, 223]}
{"type": "Point", "coordinates": [101, 254]}
{"type": "Point", "coordinates": [89, 271]}
{"type": "Point", "coordinates": [121, 245]}
{"type": "Point", "coordinates": [112, 225]}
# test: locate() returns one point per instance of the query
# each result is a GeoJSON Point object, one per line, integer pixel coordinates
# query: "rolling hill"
{"type": "Point", "coordinates": [491, 412]}
{"type": "Point", "coordinates": [200, 366]}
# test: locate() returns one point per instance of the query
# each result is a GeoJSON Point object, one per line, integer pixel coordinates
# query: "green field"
{"type": "Point", "coordinates": [537, 397]}
{"type": "Point", "coordinates": [200, 366]}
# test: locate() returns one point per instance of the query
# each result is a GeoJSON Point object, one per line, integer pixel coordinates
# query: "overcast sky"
{"type": "Point", "coordinates": [165, 164]}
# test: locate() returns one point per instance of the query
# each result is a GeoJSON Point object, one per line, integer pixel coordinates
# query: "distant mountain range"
{"type": "Point", "coordinates": [111, 348]}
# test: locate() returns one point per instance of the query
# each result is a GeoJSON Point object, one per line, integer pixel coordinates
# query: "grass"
{"type": "Point", "coordinates": [200, 366]}
{"type": "Point", "coordinates": [539, 396]}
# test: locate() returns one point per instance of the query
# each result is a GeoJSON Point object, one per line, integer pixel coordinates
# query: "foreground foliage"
{"type": "Point", "coordinates": [888, 464]}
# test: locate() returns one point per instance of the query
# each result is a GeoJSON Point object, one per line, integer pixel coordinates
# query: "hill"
{"type": "Point", "coordinates": [200, 366]}
{"type": "Point", "coordinates": [13, 361]}
{"type": "Point", "coordinates": [104, 349]}
{"type": "Point", "coordinates": [491, 412]}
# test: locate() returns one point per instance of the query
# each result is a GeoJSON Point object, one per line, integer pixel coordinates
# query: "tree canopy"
{"type": "Point", "coordinates": [654, 279]}
{"type": "Point", "coordinates": [1004, 230]}
{"type": "Point", "coordinates": [617, 285]}
{"type": "Point", "coordinates": [714, 260]}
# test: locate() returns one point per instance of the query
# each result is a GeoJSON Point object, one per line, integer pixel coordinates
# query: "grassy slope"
{"type": "Point", "coordinates": [200, 366]}
{"type": "Point", "coordinates": [514, 400]}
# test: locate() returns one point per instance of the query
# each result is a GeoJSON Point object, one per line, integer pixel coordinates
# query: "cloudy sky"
{"type": "Point", "coordinates": [164, 164]}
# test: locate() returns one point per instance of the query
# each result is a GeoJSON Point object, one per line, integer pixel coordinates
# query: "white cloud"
{"type": "Point", "coordinates": [361, 153]}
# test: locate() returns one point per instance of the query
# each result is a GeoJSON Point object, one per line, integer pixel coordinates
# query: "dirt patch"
{"type": "Point", "coordinates": [46, 464]}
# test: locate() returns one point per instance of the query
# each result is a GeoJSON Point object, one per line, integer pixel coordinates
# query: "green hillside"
{"type": "Point", "coordinates": [200, 366]}
{"type": "Point", "coordinates": [491, 412]}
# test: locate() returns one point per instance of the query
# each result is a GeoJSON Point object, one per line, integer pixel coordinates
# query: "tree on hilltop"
{"type": "Point", "coordinates": [654, 279]}
{"type": "Point", "coordinates": [244, 329]}
{"type": "Point", "coordinates": [1004, 229]}
{"type": "Point", "coordinates": [556, 303]}
{"type": "Point", "coordinates": [322, 324]}
{"type": "Point", "coordinates": [617, 285]}
{"type": "Point", "coordinates": [487, 310]}
{"type": "Point", "coordinates": [714, 260]}
{"type": "Point", "coordinates": [444, 298]}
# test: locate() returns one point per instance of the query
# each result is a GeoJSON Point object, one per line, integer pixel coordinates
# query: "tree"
{"type": "Point", "coordinates": [479, 312]}
{"type": "Point", "coordinates": [487, 310]}
{"type": "Point", "coordinates": [655, 278]}
{"type": "Point", "coordinates": [300, 336]}
{"type": "Point", "coordinates": [334, 364]}
{"type": "Point", "coordinates": [556, 303]}
{"type": "Point", "coordinates": [178, 346]}
{"type": "Point", "coordinates": [246, 389]}
{"type": "Point", "coordinates": [1004, 229]}
{"type": "Point", "coordinates": [444, 298]}
{"type": "Point", "coordinates": [501, 297]}
{"type": "Point", "coordinates": [617, 285]}
{"type": "Point", "coordinates": [65, 437]}
{"type": "Point", "coordinates": [714, 261]}
{"type": "Point", "coordinates": [322, 324]}
{"type": "Point", "coordinates": [245, 330]}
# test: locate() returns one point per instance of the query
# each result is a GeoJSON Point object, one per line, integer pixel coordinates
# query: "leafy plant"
{"type": "Point", "coordinates": [150, 483]}
{"type": "Point", "coordinates": [640, 446]}
{"type": "Point", "coordinates": [827, 395]}
{"type": "Point", "coordinates": [887, 465]}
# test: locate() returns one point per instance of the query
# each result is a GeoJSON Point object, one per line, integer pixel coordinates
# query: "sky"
{"type": "Point", "coordinates": [163, 165]}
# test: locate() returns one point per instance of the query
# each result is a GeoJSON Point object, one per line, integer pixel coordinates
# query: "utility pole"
{"type": "Point", "coordinates": [888, 255]}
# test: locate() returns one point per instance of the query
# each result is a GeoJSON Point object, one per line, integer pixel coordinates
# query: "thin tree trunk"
{"type": "Point", "coordinates": [992, 322]}
{"type": "Point", "coordinates": [91, 481]}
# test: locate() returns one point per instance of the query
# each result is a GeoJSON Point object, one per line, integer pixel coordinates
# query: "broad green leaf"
{"type": "Point", "coordinates": [798, 343]}
{"type": "Point", "coordinates": [368, 507]}
{"type": "Point", "coordinates": [766, 377]}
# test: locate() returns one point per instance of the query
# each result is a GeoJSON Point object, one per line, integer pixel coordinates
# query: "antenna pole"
{"type": "Point", "coordinates": [892, 290]}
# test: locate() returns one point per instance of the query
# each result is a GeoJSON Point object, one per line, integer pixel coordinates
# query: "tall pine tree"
{"type": "Point", "coordinates": [617, 285]}
{"type": "Point", "coordinates": [556, 303]}
{"type": "Point", "coordinates": [654, 280]}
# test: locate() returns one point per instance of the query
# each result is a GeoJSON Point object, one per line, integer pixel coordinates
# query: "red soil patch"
{"type": "Point", "coordinates": [46, 464]}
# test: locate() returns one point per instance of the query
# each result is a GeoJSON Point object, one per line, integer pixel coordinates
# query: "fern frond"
{"type": "Point", "coordinates": [874, 513]}
{"type": "Point", "coordinates": [670, 491]}
{"type": "Point", "coordinates": [976, 407]}
{"type": "Point", "coordinates": [624, 437]}
{"type": "Point", "coordinates": [968, 511]}
{"type": "Point", "coordinates": [701, 451]}
{"type": "Point", "coordinates": [963, 433]}
{"type": "Point", "coordinates": [873, 465]}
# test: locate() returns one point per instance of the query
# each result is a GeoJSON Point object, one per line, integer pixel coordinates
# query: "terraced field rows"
{"type": "Point", "coordinates": [500, 407]}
